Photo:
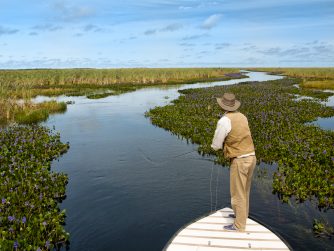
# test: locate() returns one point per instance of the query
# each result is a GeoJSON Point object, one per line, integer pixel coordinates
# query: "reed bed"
{"type": "Point", "coordinates": [93, 83]}
{"type": "Point", "coordinates": [304, 73]}
{"type": "Point", "coordinates": [38, 112]}
{"type": "Point", "coordinates": [49, 78]}
{"type": "Point", "coordinates": [324, 84]}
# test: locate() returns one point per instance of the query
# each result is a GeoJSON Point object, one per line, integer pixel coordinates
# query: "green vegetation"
{"type": "Point", "coordinates": [39, 112]}
{"type": "Point", "coordinates": [112, 91]}
{"type": "Point", "coordinates": [93, 83]}
{"type": "Point", "coordinates": [30, 218]}
{"type": "Point", "coordinates": [278, 121]}
{"type": "Point", "coordinates": [304, 73]}
{"type": "Point", "coordinates": [100, 95]}
{"type": "Point", "coordinates": [76, 77]}
{"type": "Point", "coordinates": [322, 229]}
{"type": "Point", "coordinates": [324, 84]}
{"type": "Point", "coordinates": [28, 112]}
{"type": "Point", "coordinates": [319, 78]}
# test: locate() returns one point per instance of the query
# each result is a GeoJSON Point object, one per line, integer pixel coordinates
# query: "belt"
{"type": "Point", "coordinates": [240, 157]}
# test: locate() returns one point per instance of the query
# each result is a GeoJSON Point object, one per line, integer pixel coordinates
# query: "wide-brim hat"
{"type": "Point", "coordinates": [228, 102]}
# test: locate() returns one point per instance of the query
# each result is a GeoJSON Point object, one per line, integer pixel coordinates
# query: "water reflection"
{"type": "Point", "coordinates": [325, 123]}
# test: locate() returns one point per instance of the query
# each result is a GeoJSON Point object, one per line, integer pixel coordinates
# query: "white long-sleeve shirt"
{"type": "Point", "coordinates": [223, 129]}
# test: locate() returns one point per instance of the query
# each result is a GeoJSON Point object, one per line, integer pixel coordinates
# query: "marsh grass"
{"type": "Point", "coordinates": [45, 77]}
{"type": "Point", "coordinates": [26, 112]}
{"type": "Point", "coordinates": [304, 73]}
{"type": "Point", "coordinates": [38, 112]}
{"type": "Point", "coordinates": [319, 78]}
{"type": "Point", "coordinates": [53, 106]}
{"type": "Point", "coordinates": [30, 117]}
{"type": "Point", "coordinates": [93, 83]}
{"type": "Point", "coordinates": [325, 84]}
{"type": "Point", "coordinates": [99, 95]}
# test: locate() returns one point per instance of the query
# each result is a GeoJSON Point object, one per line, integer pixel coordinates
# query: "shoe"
{"type": "Point", "coordinates": [231, 216]}
{"type": "Point", "coordinates": [230, 228]}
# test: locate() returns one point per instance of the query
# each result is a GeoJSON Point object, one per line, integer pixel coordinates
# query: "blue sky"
{"type": "Point", "coordinates": [164, 33]}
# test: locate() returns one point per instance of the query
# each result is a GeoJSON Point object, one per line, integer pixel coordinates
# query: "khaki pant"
{"type": "Point", "coordinates": [241, 173]}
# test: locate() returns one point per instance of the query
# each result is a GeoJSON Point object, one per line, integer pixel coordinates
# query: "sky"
{"type": "Point", "coordinates": [164, 33]}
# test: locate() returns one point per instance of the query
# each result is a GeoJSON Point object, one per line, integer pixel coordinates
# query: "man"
{"type": "Point", "coordinates": [234, 137]}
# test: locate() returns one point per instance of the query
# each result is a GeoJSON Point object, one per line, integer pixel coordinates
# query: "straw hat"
{"type": "Point", "coordinates": [228, 102]}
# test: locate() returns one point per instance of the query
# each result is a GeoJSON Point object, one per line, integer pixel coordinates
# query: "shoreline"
{"type": "Point", "coordinates": [27, 113]}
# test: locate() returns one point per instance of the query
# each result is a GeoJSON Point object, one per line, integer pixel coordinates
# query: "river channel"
{"type": "Point", "coordinates": [133, 185]}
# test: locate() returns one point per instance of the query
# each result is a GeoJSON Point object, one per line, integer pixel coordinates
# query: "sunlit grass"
{"type": "Point", "coordinates": [320, 78]}
{"type": "Point", "coordinates": [325, 84]}
{"type": "Point", "coordinates": [305, 73]}
{"type": "Point", "coordinates": [73, 77]}
{"type": "Point", "coordinates": [28, 112]}
{"type": "Point", "coordinates": [93, 83]}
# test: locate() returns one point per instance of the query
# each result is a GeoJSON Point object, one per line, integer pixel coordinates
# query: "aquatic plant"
{"type": "Point", "coordinates": [30, 218]}
{"type": "Point", "coordinates": [99, 95]}
{"type": "Point", "coordinates": [304, 153]}
{"type": "Point", "coordinates": [113, 91]}
{"type": "Point", "coordinates": [322, 229]}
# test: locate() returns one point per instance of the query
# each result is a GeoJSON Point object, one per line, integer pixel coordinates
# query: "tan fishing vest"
{"type": "Point", "coordinates": [239, 141]}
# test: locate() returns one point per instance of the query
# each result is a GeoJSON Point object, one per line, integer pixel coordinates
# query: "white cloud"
{"type": "Point", "coordinates": [211, 21]}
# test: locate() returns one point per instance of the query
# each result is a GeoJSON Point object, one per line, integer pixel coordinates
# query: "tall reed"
{"type": "Point", "coordinates": [306, 73]}
{"type": "Point", "coordinates": [22, 85]}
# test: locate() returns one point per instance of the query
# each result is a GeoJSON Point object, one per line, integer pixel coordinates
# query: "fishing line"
{"type": "Point", "coordinates": [211, 203]}
{"type": "Point", "coordinates": [222, 175]}
{"type": "Point", "coordinates": [217, 183]}
{"type": "Point", "coordinates": [184, 154]}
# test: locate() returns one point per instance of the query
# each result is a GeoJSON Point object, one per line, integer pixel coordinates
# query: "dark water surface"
{"type": "Point", "coordinates": [133, 185]}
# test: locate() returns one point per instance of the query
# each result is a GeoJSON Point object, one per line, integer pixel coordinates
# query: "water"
{"type": "Point", "coordinates": [327, 123]}
{"type": "Point", "coordinates": [129, 188]}
{"type": "Point", "coordinates": [324, 123]}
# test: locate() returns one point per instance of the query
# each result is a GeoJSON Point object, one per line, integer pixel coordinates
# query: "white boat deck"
{"type": "Point", "coordinates": [208, 234]}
